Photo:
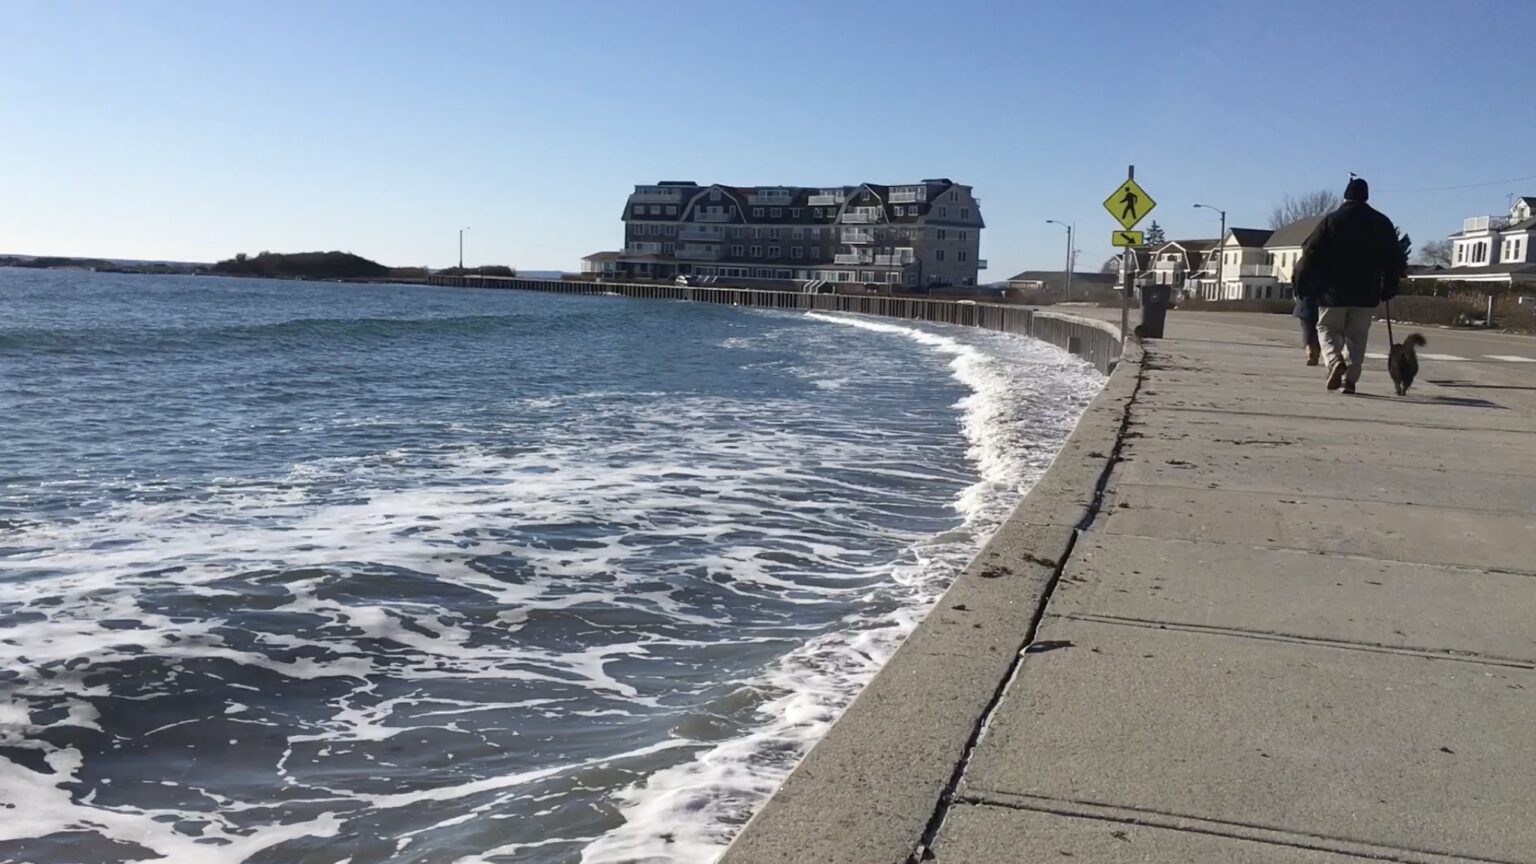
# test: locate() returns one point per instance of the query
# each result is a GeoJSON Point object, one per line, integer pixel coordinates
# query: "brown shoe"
{"type": "Point", "coordinates": [1336, 375]}
{"type": "Point", "coordinates": [1313, 353]}
{"type": "Point", "coordinates": [1349, 389]}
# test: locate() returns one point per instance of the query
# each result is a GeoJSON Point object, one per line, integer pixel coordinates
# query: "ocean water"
{"type": "Point", "coordinates": [297, 572]}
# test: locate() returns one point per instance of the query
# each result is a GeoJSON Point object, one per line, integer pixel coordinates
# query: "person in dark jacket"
{"type": "Point", "coordinates": [1349, 265]}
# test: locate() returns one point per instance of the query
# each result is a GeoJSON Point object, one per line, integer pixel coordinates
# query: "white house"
{"type": "Point", "coordinates": [1252, 263]}
{"type": "Point", "coordinates": [1242, 266]}
{"type": "Point", "coordinates": [1282, 251]}
{"type": "Point", "coordinates": [605, 264]}
{"type": "Point", "coordinates": [1177, 262]}
{"type": "Point", "coordinates": [1494, 249]}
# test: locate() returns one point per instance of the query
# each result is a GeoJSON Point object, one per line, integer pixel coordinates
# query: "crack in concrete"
{"type": "Point", "coordinates": [1123, 815]}
{"type": "Point", "coordinates": [924, 848]}
{"type": "Point", "coordinates": [1277, 636]}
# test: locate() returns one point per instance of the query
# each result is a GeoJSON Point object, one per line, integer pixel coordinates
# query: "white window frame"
{"type": "Point", "coordinates": [756, 252]}
{"type": "Point", "coordinates": [797, 233]}
{"type": "Point", "coordinates": [943, 212]}
{"type": "Point", "coordinates": [757, 212]}
{"type": "Point", "coordinates": [775, 212]}
{"type": "Point", "coordinates": [797, 251]}
{"type": "Point", "coordinates": [773, 251]}
{"type": "Point", "coordinates": [736, 250]}
{"type": "Point", "coordinates": [938, 254]}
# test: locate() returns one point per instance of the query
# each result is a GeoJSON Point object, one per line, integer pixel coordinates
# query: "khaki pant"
{"type": "Point", "coordinates": [1343, 330]}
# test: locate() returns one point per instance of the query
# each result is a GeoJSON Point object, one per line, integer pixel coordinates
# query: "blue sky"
{"type": "Point", "coordinates": [193, 131]}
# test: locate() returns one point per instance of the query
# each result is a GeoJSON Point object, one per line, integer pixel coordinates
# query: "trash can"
{"type": "Point", "coordinates": [1154, 310]}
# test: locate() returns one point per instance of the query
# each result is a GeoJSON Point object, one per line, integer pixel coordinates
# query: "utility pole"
{"type": "Point", "coordinates": [1071, 257]}
{"type": "Point", "coordinates": [461, 248]}
{"type": "Point", "coordinates": [1221, 249]}
{"type": "Point", "coordinates": [1067, 291]}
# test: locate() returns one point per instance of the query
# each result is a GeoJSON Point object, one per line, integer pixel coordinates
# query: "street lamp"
{"type": "Point", "coordinates": [461, 248]}
{"type": "Point", "coordinates": [1221, 263]}
{"type": "Point", "coordinates": [1067, 292]}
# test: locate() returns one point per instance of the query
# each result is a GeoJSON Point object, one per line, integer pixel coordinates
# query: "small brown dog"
{"type": "Point", "coordinates": [1403, 362]}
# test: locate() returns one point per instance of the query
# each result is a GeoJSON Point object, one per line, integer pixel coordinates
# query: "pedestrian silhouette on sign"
{"type": "Point", "coordinates": [1130, 201]}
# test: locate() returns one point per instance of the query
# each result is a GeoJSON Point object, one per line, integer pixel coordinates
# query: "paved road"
{"type": "Point", "coordinates": [1296, 626]}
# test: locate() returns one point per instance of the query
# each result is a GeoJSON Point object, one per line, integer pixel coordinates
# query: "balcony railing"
{"type": "Point", "coordinates": [854, 235]}
{"type": "Point", "coordinates": [852, 258]}
{"type": "Point", "coordinates": [981, 263]}
{"type": "Point", "coordinates": [702, 216]}
{"type": "Point", "coordinates": [643, 249]}
{"type": "Point", "coordinates": [1484, 223]}
{"type": "Point", "coordinates": [1252, 270]}
{"type": "Point", "coordinates": [908, 197]}
{"type": "Point", "coordinates": [898, 258]}
{"type": "Point", "coordinates": [768, 200]}
{"type": "Point", "coordinates": [699, 253]}
{"type": "Point", "coordinates": [657, 195]}
{"type": "Point", "coordinates": [700, 232]}
{"type": "Point", "coordinates": [860, 217]}
{"type": "Point", "coordinates": [826, 200]}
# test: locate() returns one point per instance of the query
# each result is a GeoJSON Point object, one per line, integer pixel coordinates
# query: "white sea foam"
{"type": "Point", "coordinates": [1024, 398]}
{"type": "Point", "coordinates": [682, 496]}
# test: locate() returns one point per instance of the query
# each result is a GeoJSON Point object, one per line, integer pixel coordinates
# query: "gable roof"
{"type": "Point", "coordinates": [1451, 274]}
{"type": "Point", "coordinates": [1190, 245]}
{"type": "Point", "coordinates": [1293, 234]}
{"type": "Point", "coordinates": [1250, 237]}
{"type": "Point", "coordinates": [1058, 276]}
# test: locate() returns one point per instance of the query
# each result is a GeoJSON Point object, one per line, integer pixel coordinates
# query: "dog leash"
{"type": "Point", "coordinates": [1390, 340]}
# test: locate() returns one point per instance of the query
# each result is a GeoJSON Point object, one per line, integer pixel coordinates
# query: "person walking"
{"type": "Point", "coordinates": [1349, 265]}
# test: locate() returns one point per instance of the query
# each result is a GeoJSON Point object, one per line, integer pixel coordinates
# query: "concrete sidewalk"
{"type": "Point", "coordinates": [1292, 626]}
{"type": "Point", "coordinates": [1302, 628]}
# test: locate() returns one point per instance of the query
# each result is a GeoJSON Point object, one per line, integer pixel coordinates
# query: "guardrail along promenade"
{"type": "Point", "coordinates": [1095, 341]}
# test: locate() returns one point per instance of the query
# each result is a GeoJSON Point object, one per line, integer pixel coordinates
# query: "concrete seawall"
{"type": "Point", "coordinates": [878, 785]}
{"type": "Point", "coordinates": [876, 788]}
{"type": "Point", "coordinates": [1095, 341]}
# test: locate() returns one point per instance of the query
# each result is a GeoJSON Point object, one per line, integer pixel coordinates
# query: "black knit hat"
{"type": "Point", "coordinates": [1357, 190]}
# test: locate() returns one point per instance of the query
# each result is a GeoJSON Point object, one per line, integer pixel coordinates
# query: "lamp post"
{"type": "Point", "coordinates": [1067, 292]}
{"type": "Point", "coordinates": [1221, 263]}
{"type": "Point", "coordinates": [461, 248]}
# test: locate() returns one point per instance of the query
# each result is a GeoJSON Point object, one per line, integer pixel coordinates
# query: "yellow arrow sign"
{"type": "Point", "coordinates": [1127, 238]}
{"type": "Point", "coordinates": [1129, 203]}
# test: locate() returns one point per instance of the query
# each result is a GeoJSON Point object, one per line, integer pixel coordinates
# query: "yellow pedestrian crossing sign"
{"type": "Point", "coordinates": [1127, 238]}
{"type": "Point", "coordinates": [1129, 203]}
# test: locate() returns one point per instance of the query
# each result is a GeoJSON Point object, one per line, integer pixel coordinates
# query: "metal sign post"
{"type": "Point", "coordinates": [1129, 204]}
